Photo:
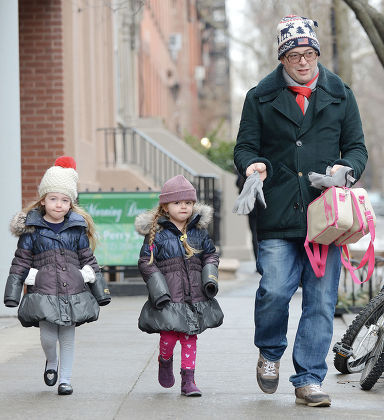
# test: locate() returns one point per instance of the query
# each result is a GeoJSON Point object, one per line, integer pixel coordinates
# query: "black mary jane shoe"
{"type": "Point", "coordinates": [50, 376]}
{"type": "Point", "coordinates": [65, 389]}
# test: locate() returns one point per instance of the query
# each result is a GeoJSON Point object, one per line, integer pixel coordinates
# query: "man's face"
{"type": "Point", "coordinates": [303, 71]}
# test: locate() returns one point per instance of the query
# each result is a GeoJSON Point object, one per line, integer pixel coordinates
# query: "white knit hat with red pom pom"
{"type": "Point", "coordinates": [61, 178]}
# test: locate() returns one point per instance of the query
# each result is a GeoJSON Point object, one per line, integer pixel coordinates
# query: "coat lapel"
{"type": "Point", "coordinates": [285, 103]}
{"type": "Point", "coordinates": [321, 100]}
{"type": "Point", "coordinates": [273, 89]}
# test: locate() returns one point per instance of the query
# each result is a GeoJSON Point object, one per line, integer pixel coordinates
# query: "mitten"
{"type": "Point", "coordinates": [30, 279]}
{"type": "Point", "coordinates": [252, 190]}
{"type": "Point", "coordinates": [13, 290]}
{"type": "Point", "coordinates": [209, 280]}
{"type": "Point", "coordinates": [343, 177]}
{"type": "Point", "coordinates": [100, 290]}
{"type": "Point", "coordinates": [88, 274]}
{"type": "Point", "coordinates": [159, 293]}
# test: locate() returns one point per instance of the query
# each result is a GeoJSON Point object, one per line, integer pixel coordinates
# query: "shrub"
{"type": "Point", "coordinates": [220, 152]}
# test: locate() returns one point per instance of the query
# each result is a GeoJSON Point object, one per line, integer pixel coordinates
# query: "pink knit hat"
{"type": "Point", "coordinates": [177, 188]}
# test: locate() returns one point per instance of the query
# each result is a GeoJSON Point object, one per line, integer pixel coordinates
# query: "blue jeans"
{"type": "Point", "coordinates": [283, 264]}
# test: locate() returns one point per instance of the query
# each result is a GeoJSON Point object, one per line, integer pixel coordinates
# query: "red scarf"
{"type": "Point", "coordinates": [303, 91]}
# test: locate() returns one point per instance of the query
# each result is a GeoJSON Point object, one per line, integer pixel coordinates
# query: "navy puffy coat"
{"type": "Point", "coordinates": [181, 290]}
{"type": "Point", "coordinates": [59, 294]}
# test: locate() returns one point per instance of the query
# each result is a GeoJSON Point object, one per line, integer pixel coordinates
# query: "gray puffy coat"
{"type": "Point", "coordinates": [181, 290]}
{"type": "Point", "coordinates": [59, 294]}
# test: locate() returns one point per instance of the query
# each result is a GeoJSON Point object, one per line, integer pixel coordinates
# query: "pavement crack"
{"type": "Point", "coordinates": [134, 384]}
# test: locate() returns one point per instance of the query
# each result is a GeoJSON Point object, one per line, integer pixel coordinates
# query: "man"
{"type": "Point", "coordinates": [298, 119]}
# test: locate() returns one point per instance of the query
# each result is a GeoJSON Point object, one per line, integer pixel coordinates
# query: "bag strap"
{"type": "Point", "coordinates": [369, 255]}
{"type": "Point", "coordinates": [317, 258]}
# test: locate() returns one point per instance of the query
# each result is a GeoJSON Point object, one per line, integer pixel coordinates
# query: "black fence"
{"type": "Point", "coordinates": [353, 297]}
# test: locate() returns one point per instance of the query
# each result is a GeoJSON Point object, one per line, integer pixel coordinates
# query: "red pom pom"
{"type": "Point", "coordinates": [65, 162]}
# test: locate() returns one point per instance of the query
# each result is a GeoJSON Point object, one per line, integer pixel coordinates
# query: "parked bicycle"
{"type": "Point", "coordinates": [361, 349]}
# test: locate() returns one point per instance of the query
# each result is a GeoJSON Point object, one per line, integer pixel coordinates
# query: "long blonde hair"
{"type": "Point", "coordinates": [161, 211]}
{"type": "Point", "coordinates": [91, 228]}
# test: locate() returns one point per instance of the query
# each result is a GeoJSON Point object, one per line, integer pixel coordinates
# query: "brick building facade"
{"type": "Point", "coordinates": [78, 69]}
{"type": "Point", "coordinates": [169, 58]}
{"type": "Point", "coordinates": [41, 89]}
{"type": "Point", "coordinates": [66, 87]}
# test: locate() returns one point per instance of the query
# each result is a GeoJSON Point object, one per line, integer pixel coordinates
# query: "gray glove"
{"type": "Point", "coordinates": [252, 190]}
{"type": "Point", "coordinates": [342, 178]}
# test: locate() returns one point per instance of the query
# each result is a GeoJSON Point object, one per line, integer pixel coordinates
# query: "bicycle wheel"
{"type": "Point", "coordinates": [360, 339]}
{"type": "Point", "coordinates": [374, 366]}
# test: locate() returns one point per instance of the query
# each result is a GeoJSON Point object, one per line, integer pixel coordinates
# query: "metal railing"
{"type": "Point", "coordinates": [128, 146]}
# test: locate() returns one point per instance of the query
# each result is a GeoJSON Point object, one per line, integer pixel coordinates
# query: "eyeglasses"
{"type": "Point", "coordinates": [295, 58]}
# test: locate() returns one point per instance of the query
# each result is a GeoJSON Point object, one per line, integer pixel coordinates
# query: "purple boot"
{"type": "Point", "coordinates": [188, 386]}
{"type": "Point", "coordinates": [166, 377]}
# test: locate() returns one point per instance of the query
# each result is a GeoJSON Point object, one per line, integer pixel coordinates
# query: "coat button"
{"type": "Point", "coordinates": [300, 173]}
{"type": "Point", "coordinates": [63, 268]}
{"type": "Point", "coordinates": [296, 206]}
{"type": "Point", "coordinates": [299, 143]}
{"type": "Point", "coordinates": [64, 284]}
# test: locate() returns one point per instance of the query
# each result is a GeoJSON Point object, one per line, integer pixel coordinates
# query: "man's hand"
{"type": "Point", "coordinates": [260, 168]}
{"type": "Point", "coordinates": [253, 189]}
{"type": "Point", "coordinates": [337, 176]}
{"type": "Point", "coordinates": [335, 168]}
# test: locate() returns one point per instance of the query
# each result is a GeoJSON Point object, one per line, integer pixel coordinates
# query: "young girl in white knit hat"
{"type": "Point", "coordinates": [54, 259]}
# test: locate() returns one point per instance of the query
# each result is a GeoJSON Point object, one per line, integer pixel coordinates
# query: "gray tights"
{"type": "Point", "coordinates": [49, 335]}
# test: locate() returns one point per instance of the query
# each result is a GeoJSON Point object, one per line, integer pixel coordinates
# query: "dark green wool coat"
{"type": "Point", "coordinates": [273, 130]}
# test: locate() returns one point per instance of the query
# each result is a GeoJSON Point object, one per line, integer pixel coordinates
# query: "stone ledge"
{"type": "Point", "coordinates": [228, 268]}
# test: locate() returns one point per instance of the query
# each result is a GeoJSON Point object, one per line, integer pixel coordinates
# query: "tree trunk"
{"type": "Point", "coordinates": [373, 23]}
{"type": "Point", "coordinates": [341, 39]}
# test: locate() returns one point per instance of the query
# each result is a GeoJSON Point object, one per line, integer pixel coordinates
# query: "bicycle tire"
{"type": "Point", "coordinates": [355, 334]}
{"type": "Point", "coordinates": [375, 365]}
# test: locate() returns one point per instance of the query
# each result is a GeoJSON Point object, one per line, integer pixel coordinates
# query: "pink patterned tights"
{"type": "Point", "coordinates": [168, 341]}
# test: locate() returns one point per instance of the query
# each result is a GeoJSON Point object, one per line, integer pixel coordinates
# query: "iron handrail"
{"type": "Point", "coordinates": [130, 146]}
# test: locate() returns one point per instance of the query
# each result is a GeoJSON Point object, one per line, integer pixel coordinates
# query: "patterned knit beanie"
{"type": "Point", "coordinates": [177, 188]}
{"type": "Point", "coordinates": [295, 31]}
{"type": "Point", "coordinates": [61, 178]}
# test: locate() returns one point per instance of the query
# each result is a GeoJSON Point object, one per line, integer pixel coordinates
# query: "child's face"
{"type": "Point", "coordinates": [179, 212]}
{"type": "Point", "coordinates": [56, 205]}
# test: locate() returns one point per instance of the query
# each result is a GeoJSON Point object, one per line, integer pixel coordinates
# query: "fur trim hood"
{"type": "Point", "coordinates": [25, 223]}
{"type": "Point", "coordinates": [143, 221]}
{"type": "Point", "coordinates": [18, 226]}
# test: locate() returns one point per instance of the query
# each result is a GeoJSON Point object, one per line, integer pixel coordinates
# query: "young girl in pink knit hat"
{"type": "Point", "coordinates": [179, 263]}
{"type": "Point", "coordinates": [54, 259]}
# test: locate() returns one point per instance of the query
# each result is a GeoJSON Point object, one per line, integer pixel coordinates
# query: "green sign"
{"type": "Point", "coordinates": [114, 215]}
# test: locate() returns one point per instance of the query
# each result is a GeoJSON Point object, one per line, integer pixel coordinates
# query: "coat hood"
{"type": "Point", "coordinates": [17, 225]}
{"type": "Point", "coordinates": [25, 223]}
{"type": "Point", "coordinates": [204, 212]}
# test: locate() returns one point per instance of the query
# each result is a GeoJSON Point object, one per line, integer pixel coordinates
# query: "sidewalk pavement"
{"type": "Point", "coordinates": [115, 370]}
